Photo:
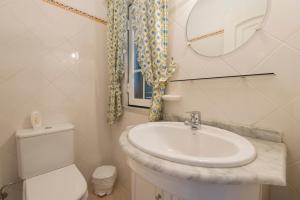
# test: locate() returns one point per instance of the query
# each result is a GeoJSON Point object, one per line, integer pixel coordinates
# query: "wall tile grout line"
{"type": "Point", "coordinates": [76, 11]}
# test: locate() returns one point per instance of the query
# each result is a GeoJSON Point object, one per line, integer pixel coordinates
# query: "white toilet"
{"type": "Point", "coordinates": [46, 163]}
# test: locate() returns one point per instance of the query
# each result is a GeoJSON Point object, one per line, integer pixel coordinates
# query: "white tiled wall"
{"type": "Point", "coordinates": [53, 61]}
{"type": "Point", "coordinates": [93, 7]}
{"type": "Point", "coordinates": [130, 118]}
{"type": "Point", "coordinates": [37, 72]}
{"type": "Point", "coordinates": [268, 102]}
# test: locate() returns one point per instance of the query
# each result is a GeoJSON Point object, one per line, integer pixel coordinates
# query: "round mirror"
{"type": "Point", "coordinates": [218, 27]}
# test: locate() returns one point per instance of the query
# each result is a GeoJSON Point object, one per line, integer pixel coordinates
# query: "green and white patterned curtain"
{"type": "Point", "coordinates": [116, 44]}
{"type": "Point", "coordinates": [150, 21]}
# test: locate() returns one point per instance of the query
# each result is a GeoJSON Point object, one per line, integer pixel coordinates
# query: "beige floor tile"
{"type": "Point", "coordinates": [119, 193]}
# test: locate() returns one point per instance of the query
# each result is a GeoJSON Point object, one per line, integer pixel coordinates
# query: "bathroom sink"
{"type": "Point", "coordinates": [206, 147]}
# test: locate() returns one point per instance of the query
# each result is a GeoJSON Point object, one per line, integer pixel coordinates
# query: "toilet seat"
{"type": "Point", "coordinates": [62, 184]}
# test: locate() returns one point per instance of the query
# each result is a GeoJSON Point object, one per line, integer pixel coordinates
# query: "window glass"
{"type": "Point", "coordinates": [148, 91]}
{"type": "Point", "coordinates": [138, 85]}
{"type": "Point", "coordinates": [136, 62]}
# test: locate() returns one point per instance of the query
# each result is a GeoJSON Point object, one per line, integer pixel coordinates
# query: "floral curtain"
{"type": "Point", "coordinates": [116, 44]}
{"type": "Point", "coordinates": [150, 22]}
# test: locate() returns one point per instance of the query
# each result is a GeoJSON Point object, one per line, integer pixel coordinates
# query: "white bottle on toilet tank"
{"type": "Point", "coordinates": [36, 119]}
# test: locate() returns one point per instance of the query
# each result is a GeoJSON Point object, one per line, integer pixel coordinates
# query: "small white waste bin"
{"type": "Point", "coordinates": [103, 180]}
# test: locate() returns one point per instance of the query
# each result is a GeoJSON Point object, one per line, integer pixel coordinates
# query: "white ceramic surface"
{"type": "Point", "coordinates": [170, 97]}
{"type": "Point", "coordinates": [44, 150]}
{"type": "Point", "coordinates": [66, 183]}
{"type": "Point", "coordinates": [269, 167]}
{"type": "Point", "coordinates": [207, 147]}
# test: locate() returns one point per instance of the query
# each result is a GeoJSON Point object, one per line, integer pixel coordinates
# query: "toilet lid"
{"type": "Point", "coordinates": [66, 184]}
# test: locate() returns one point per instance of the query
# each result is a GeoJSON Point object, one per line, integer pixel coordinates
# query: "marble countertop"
{"type": "Point", "coordinates": [268, 168]}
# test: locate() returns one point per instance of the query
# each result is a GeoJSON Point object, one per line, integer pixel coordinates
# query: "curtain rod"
{"type": "Point", "coordinates": [222, 77]}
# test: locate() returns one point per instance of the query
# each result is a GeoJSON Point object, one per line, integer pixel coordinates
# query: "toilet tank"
{"type": "Point", "coordinates": [45, 149]}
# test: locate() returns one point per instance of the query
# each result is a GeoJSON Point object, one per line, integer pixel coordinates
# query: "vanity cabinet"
{"type": "Point", "coordinates": [144, 190]}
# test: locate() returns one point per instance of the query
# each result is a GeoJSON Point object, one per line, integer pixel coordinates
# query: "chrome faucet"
{"type": "Point", "coordinates": [195, 121]}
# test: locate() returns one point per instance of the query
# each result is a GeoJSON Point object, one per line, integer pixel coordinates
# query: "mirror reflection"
{"type": "Point", "coordinates": [218, 27]}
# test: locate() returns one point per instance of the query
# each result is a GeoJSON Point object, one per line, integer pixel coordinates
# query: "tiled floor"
{"type": "Point", "coordinates": [119, 193]}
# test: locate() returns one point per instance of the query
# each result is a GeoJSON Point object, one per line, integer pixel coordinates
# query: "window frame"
{"type": "Point", "coordinates": [132, 101]}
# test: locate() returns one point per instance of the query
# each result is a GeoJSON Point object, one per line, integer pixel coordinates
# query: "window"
{"type": "Point", "coordinates": [139, 92]}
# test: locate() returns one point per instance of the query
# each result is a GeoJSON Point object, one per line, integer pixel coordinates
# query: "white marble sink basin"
{"type": "Point", "coordinates": [206, 147]}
